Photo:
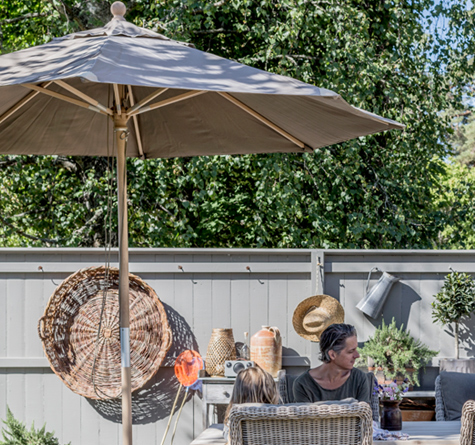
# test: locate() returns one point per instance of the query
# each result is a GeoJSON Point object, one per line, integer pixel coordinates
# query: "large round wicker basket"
{"type": "Point", "coordinates": [80, 332]}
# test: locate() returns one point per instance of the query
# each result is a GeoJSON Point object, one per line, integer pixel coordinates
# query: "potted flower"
{"type": "Point", "coordinates": [394, 352]}
{"type": "Point", "coordinates": [455, 300]}
{"type": "Point", "coordinates": [391, 395]}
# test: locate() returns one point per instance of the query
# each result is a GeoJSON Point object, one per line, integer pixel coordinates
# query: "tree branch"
{"type": "Point", "coordinates": [91, 221]}
{"type": "Point", "coordinates": [28, 16]}
{"type": "Point", "coordinates": [26, 235]}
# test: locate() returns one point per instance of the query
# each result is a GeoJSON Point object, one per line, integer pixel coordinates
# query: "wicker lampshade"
{"type": "Point", "coordinates": [80, 332]}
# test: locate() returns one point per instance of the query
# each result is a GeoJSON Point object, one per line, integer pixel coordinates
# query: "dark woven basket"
{"type": "Point", "coordinates": [90, 365]}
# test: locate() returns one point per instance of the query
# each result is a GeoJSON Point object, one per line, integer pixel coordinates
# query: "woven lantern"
{"type": "Point", "coordinates": [80, 332]}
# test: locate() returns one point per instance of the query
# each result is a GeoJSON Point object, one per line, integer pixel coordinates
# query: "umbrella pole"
{"type": "Point", "coordinates": [121, 132]}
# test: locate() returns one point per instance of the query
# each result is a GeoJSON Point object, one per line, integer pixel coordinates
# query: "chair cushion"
{"type": "Point", "coordinates": [457, 388]}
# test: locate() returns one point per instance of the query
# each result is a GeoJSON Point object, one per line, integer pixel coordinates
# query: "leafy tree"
{"type": "Point", "coordinates": [373, 192]}
{"type": "Point", "coordinates": [455, 201]}
{"type": "Point", "coordinates": [455, 300]}
{"type": "Point", "coordinates": [463, 138]}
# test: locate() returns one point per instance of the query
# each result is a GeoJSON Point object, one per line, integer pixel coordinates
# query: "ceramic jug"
{"type": "Point", "coordinates": [266, 349]}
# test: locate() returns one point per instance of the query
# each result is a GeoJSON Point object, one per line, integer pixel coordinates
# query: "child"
{"type": "Point", "coordinates": [253, 385]}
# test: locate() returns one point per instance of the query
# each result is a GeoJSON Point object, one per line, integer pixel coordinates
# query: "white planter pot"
{"type": "Point", "coordinates": [466, 365]}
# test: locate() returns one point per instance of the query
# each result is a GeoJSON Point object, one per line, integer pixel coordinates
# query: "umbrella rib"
{"type": "Point", "coordinates": [136, 124]}
{"type": "Point", "coordinates": [83, 96]}
{"type": "Point", "coordinates": [165, 102]}
{"type": "Point", "coordinates": [62, 97]}
{"type": "Point", "coordinates": [20, 103]}
{"type": "Point", "coordinates": [262, 119]}
{"type": "Point", "coordinates": [147, 99]}
{"type": "Point", "coordinates": [117, 98]}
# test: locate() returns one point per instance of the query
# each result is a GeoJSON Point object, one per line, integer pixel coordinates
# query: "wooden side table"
{"type": "Point", "coordinates": [216, 391]}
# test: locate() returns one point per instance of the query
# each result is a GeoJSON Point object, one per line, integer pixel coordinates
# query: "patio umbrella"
{"type": "Point", "coordinates": [167, 99]}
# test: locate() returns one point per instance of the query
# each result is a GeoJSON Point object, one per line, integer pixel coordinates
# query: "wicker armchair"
{"type": "Point", "coordinates": [374, 396]}
{"type": "Point", "coordinates": [286, 383]}
{"type": "Point", "coordinates": [467, 430]}
{"type": "Point", "coordinates": [439, 401]}
{"type": "Point", "coordinates": [301, 424]}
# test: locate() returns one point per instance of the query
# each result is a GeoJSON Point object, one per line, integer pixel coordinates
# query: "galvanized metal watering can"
{"type": "Point", "coordinates": [372, 304]}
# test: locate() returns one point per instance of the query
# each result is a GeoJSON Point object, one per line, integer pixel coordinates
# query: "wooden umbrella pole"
{"type": "Point", "coordinates": [121, 132]}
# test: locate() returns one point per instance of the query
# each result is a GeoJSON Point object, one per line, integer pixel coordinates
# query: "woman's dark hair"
{"type": "Point", "coordinates": [334, 337]}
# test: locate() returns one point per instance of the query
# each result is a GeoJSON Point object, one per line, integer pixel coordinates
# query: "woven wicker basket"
{"type": "Point", "coordinates": [82, 307]}
{"type": "Point", "coordinates": [220, 348]}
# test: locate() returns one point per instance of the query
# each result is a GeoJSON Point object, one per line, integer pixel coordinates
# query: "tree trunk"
{"type": "Point", "coordinates": [456, 339]}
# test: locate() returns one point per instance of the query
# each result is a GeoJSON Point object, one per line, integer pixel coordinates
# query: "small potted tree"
{"type": "Point", "coordinates": [395, 354]}
{"type": "Point", "coordinates": [455, 301]}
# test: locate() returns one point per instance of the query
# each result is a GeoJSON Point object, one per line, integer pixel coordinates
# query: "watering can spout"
{"type": "Point", "coordinates": [372, 304]}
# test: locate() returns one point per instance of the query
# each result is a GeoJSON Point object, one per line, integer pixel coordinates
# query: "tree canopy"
{"type": "Point", "coordinates": [382, 191]}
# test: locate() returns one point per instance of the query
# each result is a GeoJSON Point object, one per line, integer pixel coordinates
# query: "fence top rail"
{"type": "Point", "coordinates": [260, 251]}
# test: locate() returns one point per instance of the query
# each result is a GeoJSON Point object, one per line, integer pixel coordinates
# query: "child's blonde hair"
{"type": "Point", "coordinates": [253, 385]}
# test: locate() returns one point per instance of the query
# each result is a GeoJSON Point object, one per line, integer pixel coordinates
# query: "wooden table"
{"type": "Point", "coordinates": [420, 433]}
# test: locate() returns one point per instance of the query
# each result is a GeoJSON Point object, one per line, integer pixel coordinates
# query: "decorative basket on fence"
{"type": "Point", "coordinates": [80, 332]}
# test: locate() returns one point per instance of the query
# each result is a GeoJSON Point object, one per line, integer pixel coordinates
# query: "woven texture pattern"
{"type": "Point", "coordinates": [439, 401]}
{"type": "Point", "coordinates": [467, 430]}
{"type": "Point", "coordinates": [221, 347]}
{"type": "Point", "coordinates": [80, 332]}
{"type": "Point", "coordinates": [301, 424]}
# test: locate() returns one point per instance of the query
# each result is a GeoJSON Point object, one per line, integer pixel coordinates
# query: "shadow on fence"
{"type": "Point", "coordinates": [154, 400]}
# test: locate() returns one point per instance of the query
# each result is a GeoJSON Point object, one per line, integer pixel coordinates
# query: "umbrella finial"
{"type": "Point", "coordinates": [118, 10]}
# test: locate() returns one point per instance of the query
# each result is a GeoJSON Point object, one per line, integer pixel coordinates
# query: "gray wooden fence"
{"type": "Point", "coordinates": [201, 289]}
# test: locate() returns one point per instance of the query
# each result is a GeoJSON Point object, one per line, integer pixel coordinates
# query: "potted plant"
{"type": "Point", "coordinates": [396, 353]}
{"type": "Point", "coordinates": [454, 301]}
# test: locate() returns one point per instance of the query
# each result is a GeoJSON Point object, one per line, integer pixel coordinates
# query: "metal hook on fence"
{"type": "Point", "coordinates": [42, 270]}
{"type": "Point", "coordinates": [248, 268]}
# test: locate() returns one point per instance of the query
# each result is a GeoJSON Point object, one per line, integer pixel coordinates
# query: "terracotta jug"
{"type": "Point", "coordinates": [266, 349]}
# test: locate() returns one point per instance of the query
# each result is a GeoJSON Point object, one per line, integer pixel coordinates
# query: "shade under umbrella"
{"type": "Point", "coordinates": [167, 99]}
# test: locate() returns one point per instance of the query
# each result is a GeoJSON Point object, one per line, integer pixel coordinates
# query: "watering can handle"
{"type": "Point", "coordinates": [369, 278]}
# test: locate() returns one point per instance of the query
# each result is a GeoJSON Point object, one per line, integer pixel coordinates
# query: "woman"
{"type": "Point", "coordinates": [335, 378]}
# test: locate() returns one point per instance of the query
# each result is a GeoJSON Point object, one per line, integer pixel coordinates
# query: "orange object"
{"type": "Point", "coordinates": [187, 367]}
{"type": "Point", "coordinates": [266, 349]}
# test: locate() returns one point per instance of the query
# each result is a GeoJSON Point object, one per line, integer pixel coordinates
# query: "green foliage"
{"type": "Point", "coordinates": [15, 433]}
{"type": "Point", "coordinates": [455, 300]}
{"type": "Point", "coordinates": [394, 349]}
{"type": "Point", "coordinates": [463, 138]}
{"type": "Point", "coordinates": [372, 192]}
{"type": "Point", "coordinates": [455, 199]}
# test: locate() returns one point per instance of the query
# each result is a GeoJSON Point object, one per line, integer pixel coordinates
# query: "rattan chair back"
{"type": "Point", "coordinates": [80, 332]}
{"type": "Point", "coordinates": [301, 424]}
{"type": "Point", "coordinates": [467, 429]}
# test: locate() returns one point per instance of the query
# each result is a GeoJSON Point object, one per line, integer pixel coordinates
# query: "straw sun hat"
{"type": "Point", "coordinates": [314, 314]}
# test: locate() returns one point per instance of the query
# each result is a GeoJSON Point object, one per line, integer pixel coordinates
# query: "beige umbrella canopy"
{"type": "Point", "coordinates": [183, 102]}
{"type": "Point", "coordinates": [166, 99]}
